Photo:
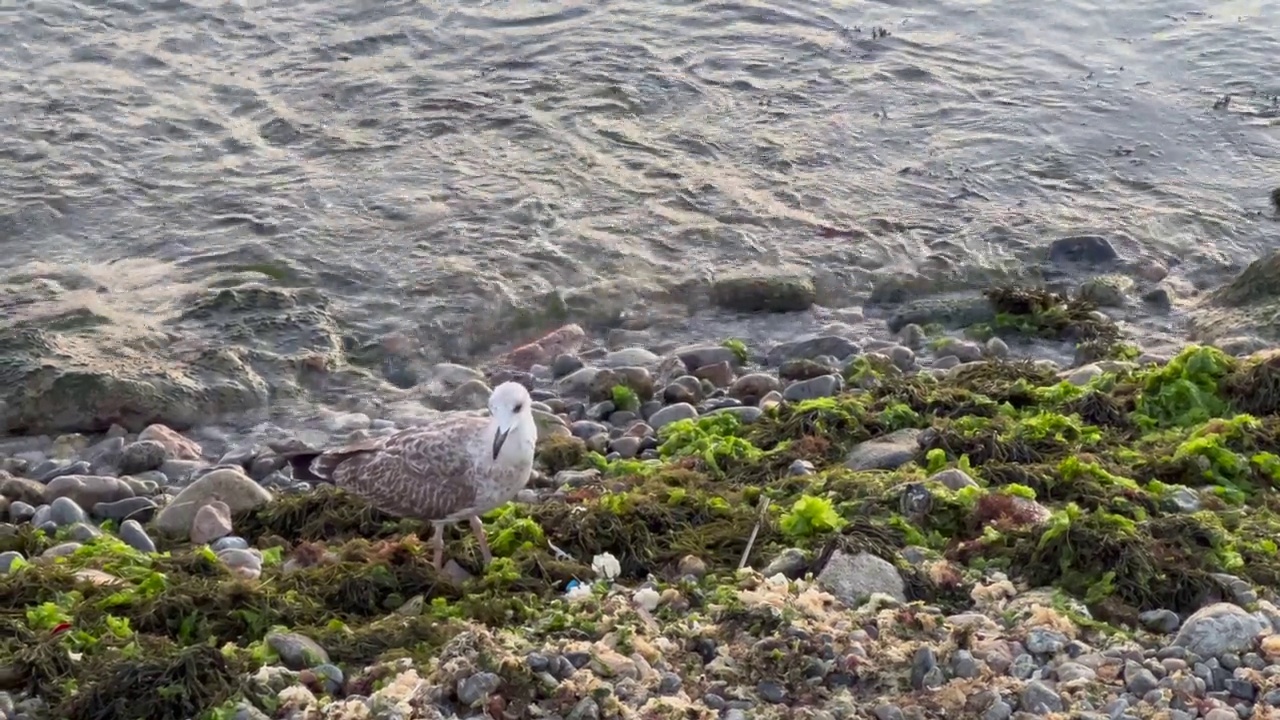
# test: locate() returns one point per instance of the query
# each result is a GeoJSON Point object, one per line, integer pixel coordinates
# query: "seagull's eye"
{"type": "Point", "coordinates": [519, 407]}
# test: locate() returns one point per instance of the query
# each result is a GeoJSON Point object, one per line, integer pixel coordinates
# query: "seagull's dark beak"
{"type": "Point", "coordinates": [499, 438]}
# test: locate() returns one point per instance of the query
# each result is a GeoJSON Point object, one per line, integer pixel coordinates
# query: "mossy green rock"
{"type": "Point", "coordinates": [764, 293]}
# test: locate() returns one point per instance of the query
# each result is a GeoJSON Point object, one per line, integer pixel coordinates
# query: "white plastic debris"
{"type": "Point", "coordinates": [647, 598]}
{"type": "Point", "coordinates": [606, 566]}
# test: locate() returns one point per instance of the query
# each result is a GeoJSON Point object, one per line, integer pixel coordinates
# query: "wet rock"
{"type": "Point", "coordinates": [565, 365]}
{"type": "Point", "coordinates": [763, 293]}
{"type": "Point", "coordinates": [854, 578]}
{"type": "Point", "coordinates": [1090, 249]}
{"type": "Point", "coordinates": [746, 415]}
{"type": "Point", "coordinates": [230, 485]}
{"type": "Point", "coordinates": [696, 356]}
{"type": "Point", "coordinates": [637, 379]}
{"type": "Point", "coordinates": [948, 312]}
{"type": "Point", "coordinates": [51, 382]}
{"type": "Point", "coordinates": [19, 512]}
{"type": "Point", "coordinates": [887, 452]}
{"type": "Point", "coordinates": [564, 340]}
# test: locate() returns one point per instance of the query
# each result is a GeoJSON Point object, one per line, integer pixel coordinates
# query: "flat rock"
{"type": "Point", "coordinates": [230, 485]}
{"type": "Point", "coordinates": [24, 490]}
{"type": "Point", "coordinates": [888, 452]}
{"type": "Point", "coordinates": [812, 347]}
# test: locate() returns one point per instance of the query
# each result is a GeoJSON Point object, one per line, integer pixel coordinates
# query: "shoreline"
{"type": "Point", "coordinates": [950, 528]}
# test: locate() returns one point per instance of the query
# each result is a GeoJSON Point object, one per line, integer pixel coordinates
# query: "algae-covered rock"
{"type": "Point", "coordinates": [1107, 290]}
{"type": "Point", "coordinates": [768, 293]}
{"type": "Point", "coordinates": [229, 485]}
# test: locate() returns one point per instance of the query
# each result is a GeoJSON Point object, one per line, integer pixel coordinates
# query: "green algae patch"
{"type": "Point", "coordinates": [1133, 492]}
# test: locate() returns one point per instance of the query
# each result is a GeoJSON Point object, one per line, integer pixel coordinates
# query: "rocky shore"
{"type": "Point", "coordinates": [1011, 512]}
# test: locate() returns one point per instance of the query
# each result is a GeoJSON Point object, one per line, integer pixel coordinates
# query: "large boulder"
{"type": "Point", "coordinates": [66, 368]}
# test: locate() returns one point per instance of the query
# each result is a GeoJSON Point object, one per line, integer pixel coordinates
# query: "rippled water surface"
{"type": "Point", "coordinates": [420, 159]}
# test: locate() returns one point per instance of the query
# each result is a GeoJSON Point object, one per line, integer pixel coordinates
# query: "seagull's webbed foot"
{"type": "Point", "coordinates": [477, 527]}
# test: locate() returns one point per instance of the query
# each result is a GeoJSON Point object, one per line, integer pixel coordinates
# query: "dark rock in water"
{"type": "Point", "coordinates": [1082, 249]}
{"type": "Point", "coordinates": [764, 293]}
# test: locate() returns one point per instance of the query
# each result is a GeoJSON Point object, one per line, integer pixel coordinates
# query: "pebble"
{"type": "Point", "coordinates": [133, 535]}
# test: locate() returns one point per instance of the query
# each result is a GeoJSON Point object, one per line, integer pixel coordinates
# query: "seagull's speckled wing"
{"type": "Point", "coordinates": [425, 472]}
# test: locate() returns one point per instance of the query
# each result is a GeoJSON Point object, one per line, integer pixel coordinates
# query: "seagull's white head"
{"type": "Point", "coordinates": [515, 433]}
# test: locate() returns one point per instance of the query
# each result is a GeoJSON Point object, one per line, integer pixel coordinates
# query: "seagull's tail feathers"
{"type": "Point", "coordinates": [320, 465]}
{"type": "Point", "coordinates": [305, 467]}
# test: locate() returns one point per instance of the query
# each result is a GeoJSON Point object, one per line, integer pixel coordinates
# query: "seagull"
{"type": "Point", "coordinates": [457, 466]}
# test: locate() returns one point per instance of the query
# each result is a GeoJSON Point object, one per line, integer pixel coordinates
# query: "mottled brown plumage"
{"type": "Point", "coordinates": [456, 466]}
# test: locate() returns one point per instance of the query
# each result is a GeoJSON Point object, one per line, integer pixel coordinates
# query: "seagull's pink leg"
{"type": "Point", "coordinates": [477, 527]}
{"type": "Point", "coordinates": [437, 546]}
